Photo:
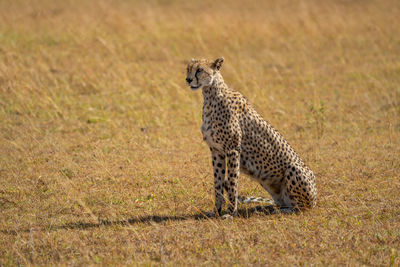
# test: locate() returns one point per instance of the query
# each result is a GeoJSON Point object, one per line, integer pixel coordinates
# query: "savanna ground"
{"type": "Point", "coordinates": [102, 159]}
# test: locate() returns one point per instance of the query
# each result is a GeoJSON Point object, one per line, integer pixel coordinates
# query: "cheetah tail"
{"type": "Point", "coordinates": [250, 199]}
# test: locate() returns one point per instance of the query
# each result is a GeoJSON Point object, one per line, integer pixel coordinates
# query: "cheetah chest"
{"type": "Point", "coordinates": [208, 129]}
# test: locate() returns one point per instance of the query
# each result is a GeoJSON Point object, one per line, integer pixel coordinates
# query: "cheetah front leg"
{"type": "Point", "coordinates": [233, 161]}
{"type": "Point", "coordinates": [219, 166]}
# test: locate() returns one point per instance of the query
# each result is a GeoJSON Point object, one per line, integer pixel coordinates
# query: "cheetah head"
{"type": "Point", "coordinates": [201, 72]}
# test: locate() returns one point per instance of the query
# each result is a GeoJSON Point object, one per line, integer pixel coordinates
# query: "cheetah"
{"type": "Point", "coordinates": [240, 139]}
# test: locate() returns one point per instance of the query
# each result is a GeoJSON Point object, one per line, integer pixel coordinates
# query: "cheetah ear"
{"type": "Point", "coordinates": [217, 64]}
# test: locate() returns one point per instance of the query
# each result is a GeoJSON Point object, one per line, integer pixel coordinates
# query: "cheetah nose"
{"type": "Point", "coordinates": [189, 80]}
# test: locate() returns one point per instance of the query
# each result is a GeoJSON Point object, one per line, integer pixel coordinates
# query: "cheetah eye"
{"type": "Point", "coordinates": [200, 69]}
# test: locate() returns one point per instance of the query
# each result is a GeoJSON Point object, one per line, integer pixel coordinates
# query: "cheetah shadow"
{"type": "Point", "coordinates": [245, 213]}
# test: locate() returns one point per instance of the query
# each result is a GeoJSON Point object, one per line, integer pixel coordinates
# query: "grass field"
{"type": "Point", "coordinates": [101, 155]}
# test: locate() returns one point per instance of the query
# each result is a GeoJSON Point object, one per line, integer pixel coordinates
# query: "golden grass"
{"type": "Point", "coordinates": [101, 158]}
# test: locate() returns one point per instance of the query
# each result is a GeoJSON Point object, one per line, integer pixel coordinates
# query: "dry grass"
{"type": "Point", "coordinates": [101, 158]}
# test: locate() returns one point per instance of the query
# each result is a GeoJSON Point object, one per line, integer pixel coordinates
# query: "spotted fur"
{"type": "Point", "coordinates": [240, 139]}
